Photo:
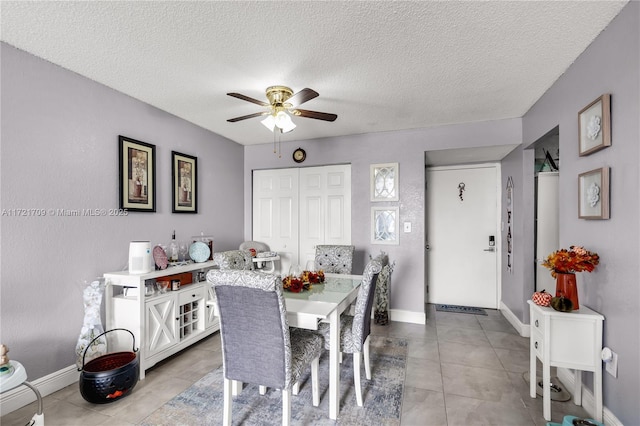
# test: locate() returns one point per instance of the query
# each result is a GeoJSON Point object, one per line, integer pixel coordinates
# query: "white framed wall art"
{"type": "Point", "coordinates": [384, 182]}
{"type": "Point", "coordinates": [384, 225]}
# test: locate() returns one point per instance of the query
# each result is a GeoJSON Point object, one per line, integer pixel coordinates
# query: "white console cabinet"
{"type": "Point", "coordinates": [566, 340]}
{"type": "Point", "coordinates": [162, 323]}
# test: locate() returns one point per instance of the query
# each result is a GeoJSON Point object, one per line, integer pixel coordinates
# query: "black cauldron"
{"type": "Point", "coordinates": [109, 377]}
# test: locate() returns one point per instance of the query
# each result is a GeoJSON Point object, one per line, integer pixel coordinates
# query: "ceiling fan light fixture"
{"type": "Point", "coordinates": [284, 122]}
{"type": "Point", "coordinates": [269, 122]}
{"type": "Point", "coordinates": [283, 103]}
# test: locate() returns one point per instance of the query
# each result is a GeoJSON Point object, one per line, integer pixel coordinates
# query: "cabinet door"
{"type": "Point", "coordinates": [161, 324]}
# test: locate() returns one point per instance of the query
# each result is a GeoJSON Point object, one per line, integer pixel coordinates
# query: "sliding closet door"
{"type": "Point", "coordinates": [325, 208]}
{"type": "Point", "coordinates": [275, 212]}
{"type": "Point", "coordinates": [296, 209]}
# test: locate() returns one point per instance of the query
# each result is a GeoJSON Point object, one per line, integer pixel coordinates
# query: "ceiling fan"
{"type": "Point", "coordinates": [282, 102]}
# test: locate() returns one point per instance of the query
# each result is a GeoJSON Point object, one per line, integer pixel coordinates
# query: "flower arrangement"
{"type": "Point", "coordinates": [296, 284]}
{"type": "Point", "coordinates": [576, 259]}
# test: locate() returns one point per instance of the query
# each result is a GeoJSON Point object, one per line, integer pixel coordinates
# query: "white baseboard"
{"type": "Point", "coordinates": [20, 396]}
{"type": "Point", "coordinates": [407, 316]}
{"type": "Point", "coordinates": [588, 403]}
{"type": "Point", "coordinates": [523, 329]}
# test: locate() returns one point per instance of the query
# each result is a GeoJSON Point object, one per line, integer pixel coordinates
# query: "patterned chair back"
{"type": "Point", "coordinates": [361, 326]}
{"type": "Point", "coordinates": [256, 346]}
{"type": "Point", "coordinates": [334, 258]}
{"type": "Point", "coordinates": [233, 259]}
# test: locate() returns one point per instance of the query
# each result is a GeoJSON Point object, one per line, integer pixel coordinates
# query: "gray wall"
{"type": "Point", "coordinates": [407, 148]}
{"type": "Point", "coordinates": [59, 149]}
{"type": "Point", "coordinates": [518, 285]}
{"type": "Point", "coordinates": [611, 64]}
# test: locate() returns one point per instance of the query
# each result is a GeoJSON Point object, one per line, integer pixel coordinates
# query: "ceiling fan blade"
{"type": "Point", "coordinates": [315, 114]}
{"type": "Point", "coordinates": [248, 99]}
{"type": "Point", "coordinates": [244, 117]}
{"type": "Point", "coordinates": [301, 97]}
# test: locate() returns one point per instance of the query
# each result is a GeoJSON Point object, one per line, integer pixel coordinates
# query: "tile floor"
{"type": "Point", "coordinates": [462, 370]}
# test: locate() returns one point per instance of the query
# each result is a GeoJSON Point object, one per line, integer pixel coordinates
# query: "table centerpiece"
{"type": "Point", "coordinates": [302, 282]}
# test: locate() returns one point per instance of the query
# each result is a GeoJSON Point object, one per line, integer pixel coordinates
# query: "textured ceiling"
{"type": "Point", "coordinates": [380, 66]}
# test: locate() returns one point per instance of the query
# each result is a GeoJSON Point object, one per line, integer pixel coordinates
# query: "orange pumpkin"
{"type": "Point", "coordinates": [541, 298]}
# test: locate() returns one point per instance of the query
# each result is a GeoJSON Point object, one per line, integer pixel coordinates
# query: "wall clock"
{"type": "Point", "coordinates": [299, 155]}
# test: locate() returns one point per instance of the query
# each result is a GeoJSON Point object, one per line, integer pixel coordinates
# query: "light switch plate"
{"type": "Point", "coordinates": [407, 227]}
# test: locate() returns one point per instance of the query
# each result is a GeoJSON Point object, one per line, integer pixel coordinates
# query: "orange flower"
{"type": "Point", "coordinates": [576, 259]}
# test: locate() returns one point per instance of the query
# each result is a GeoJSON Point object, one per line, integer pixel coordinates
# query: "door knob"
{"type": "Point", "coordinates": [490, 249]}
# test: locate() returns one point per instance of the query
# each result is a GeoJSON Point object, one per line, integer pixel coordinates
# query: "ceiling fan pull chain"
{"type": "Point", "coordinates": [280, 144]}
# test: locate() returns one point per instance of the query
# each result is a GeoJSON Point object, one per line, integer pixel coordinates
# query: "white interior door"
{"type": "Point", "coordinates": [275, 212]}
{"type": "Point", "coordinates": [296, 209]}
{"type": "Point", "coordinates": [462, 206]}
{"type": "Point", "coordinates": [325, 208]}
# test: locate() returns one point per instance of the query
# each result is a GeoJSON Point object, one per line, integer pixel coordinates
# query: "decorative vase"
{"type": "Point", "coordinates": [92, 326]}
{"type": "Point", "coordinates": [566, 286]}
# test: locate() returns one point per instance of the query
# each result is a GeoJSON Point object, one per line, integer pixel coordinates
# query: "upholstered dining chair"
{"type": "Point", "coordinates": [355, 330]}
{"type": "Point", "coordinates": [233, 259]}
{"type": "Point", "coordinates": [257, 345]}
{"type": "Point", "coordinates": [334, 258]}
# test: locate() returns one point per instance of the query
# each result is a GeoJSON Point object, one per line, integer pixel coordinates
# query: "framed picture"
{"type": "Point", "coordinates": [384, 182]}
{"type": "Point", "coordinates": [384, 225]}
{"type": "Point", "coordinates": [594, 126]}
{"type": "Point", "coordinates": [137, 175]}
{"type": "Point", "coordinates": [184, 173]}
{"type": "Point", "coordinates": [593, 194]}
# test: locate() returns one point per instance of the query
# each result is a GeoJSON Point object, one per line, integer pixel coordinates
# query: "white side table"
{"type": "Point", "coordinates": [266, 264]}
{"type": "Point", "coordinates": [17, 378]}
{"type": "Point", "coordinates": [567, 340]}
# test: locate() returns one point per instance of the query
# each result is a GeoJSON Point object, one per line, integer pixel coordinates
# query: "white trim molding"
{"type": "Point", "coordinates": [523, 329]}
{"type": "Point", "coordinates": [408, 316]}
{"type": "Point", "coordinates": [21, 396]}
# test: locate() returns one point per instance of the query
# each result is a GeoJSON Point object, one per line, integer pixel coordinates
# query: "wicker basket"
{"type": "Point", "coordinates": [111, 376]}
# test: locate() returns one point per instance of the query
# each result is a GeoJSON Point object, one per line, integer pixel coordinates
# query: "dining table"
{"type": "Point", "coordinates": [325, 302]}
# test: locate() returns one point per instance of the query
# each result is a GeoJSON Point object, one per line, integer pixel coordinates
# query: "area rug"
{"type": "Point", "coordinates": [461, 309]}
{"type": "Point", "coordinates": [202, 403]}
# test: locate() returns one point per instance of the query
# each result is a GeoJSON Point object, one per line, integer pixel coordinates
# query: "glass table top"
{"type": "Point", "coordinates": [333, 290]}
{"type": "Point", "coordinates": [335, 293]}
